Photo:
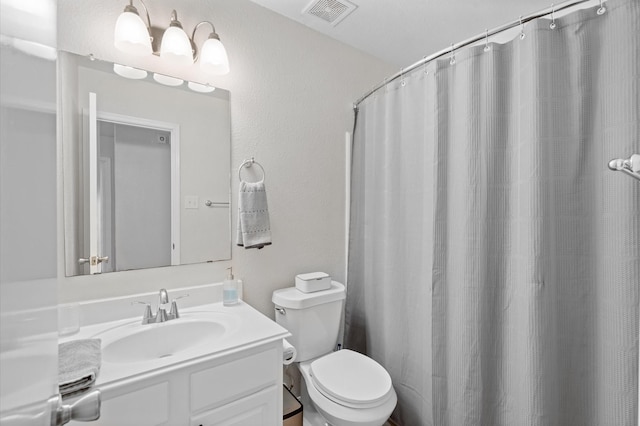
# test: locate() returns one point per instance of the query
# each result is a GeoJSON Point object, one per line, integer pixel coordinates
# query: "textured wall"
{"type": "Point", "coordinates": [291, 96]}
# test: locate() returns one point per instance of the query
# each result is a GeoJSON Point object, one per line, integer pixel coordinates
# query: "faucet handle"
{"type": "Point", "coordinates": [173, 313]}
{"type": "Point", "coordinates": [148, 315]}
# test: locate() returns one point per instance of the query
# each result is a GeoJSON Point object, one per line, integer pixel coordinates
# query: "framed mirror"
{"type": "Point", "coordinates": [146, 169]}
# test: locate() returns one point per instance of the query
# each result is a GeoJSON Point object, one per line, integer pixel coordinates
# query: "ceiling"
{"type": "Point", "coordinates": [402, 32]}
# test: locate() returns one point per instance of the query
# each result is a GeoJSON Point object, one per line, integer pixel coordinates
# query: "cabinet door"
{"type": "Point", "coordinates": [259, 409]}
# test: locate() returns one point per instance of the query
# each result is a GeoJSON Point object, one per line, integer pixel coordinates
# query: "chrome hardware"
{"type": "Point", "coordinates": [173, 313]}
{"type": "Point", "coordinates": [161, 315]}
{"type": "Point", "coordinates": [148, 316]}
{"type": "Point", "coordinates": [164, 296]}
{"type": "Point", "coordinates": [250, 163]}
{"type": "Point", "coordinates": [281, 311]}
{"type": "Point", "coordinates": [85, 409]}
{"type": "Point", "coordinates": [210, 203]}
{"type": "Point", "coordinates": [93, 260]}
{"type": "Point", "coordinates": [630, 166]}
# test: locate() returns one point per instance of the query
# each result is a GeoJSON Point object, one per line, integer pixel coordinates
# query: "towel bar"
{"type": "Point", "coordinates": [249, 163]}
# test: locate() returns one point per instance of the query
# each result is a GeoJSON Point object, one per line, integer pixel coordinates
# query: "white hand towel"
{"type": "Point", "coordinates": [254, 229]}
{"type": "Point", "coordinates": [78, 365]}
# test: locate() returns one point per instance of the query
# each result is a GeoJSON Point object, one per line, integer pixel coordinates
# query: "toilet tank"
{"type": "Point", "coordinates": [313, 319]}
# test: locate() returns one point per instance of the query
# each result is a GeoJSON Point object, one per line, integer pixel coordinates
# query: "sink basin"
{"type": "Point", "coordinates": [136, 342]}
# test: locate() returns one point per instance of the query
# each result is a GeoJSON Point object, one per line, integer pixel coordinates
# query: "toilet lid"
{"type": "Point", "coordinates": [351, 379]}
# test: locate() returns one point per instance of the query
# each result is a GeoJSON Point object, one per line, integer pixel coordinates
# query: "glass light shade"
{"type": "Point", "coordinates": [131, 35]}
{"type": "Point", "coordinates": [129, 72]}
{"type": "Point", "coordinates": [213, 57]}
{"type": "Point", "coordinates": [166, 80]}
{"type": "Point", "coordinates": [202, 88]}
{"type": "Point", "coordinates": [176, 47]}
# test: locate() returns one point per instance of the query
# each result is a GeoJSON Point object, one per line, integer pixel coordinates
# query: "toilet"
{"type": "Point", "coordinates": [344, 388]}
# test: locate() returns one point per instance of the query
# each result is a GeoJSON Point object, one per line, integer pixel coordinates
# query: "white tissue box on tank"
{"type": "Point", "coordinates": [313, 281]}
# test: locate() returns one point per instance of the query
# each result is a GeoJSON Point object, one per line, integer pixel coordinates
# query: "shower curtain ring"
{"type": "Point", "coordinates": [486, 41]}
{"type": "Point", "coordinates": [402, 82]}
{"type": "Point", "coordinates": [452, 59]}
{"type": "Point", "coordinates": [601, 9]}
{"type": "Point", "coordinates": [426, 71]}
{"type": "Point", "coordinates": [552, 25]}
{"type": "Point", "coordinates": [522, 34]}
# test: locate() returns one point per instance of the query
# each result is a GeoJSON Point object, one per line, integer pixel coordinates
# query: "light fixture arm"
{"type": "Point", "coordinates": [174, 20]}
{"type": "Point", "coordinates": [213, 30]}
{"type": "Point", "coordinates": [213, 34]}
{"type": "Point", "coordinates": [131, 8]}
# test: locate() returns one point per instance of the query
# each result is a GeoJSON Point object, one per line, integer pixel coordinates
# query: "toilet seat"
{"type": "Point", "coordinates": [351, 379]}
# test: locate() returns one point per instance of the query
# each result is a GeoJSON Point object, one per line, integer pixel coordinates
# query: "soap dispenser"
{"type": "Point", "coordinates": [230, 290]}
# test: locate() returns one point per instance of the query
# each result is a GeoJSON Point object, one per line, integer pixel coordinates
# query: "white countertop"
{"type": "Point", "coordinates": [245, 327]}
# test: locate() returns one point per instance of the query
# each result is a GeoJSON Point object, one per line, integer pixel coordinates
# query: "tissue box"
{"type": "Point", "coordinates": [313, 281]}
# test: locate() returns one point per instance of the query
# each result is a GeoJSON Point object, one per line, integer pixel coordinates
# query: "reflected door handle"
{"type": "Point", "coordinates": [210, 203]}
{"type": "Point", "coordinates": [93, 260]}
{"type": "Point", "coordinates": [99, 259]}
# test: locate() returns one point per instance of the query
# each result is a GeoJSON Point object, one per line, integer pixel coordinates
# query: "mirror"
{"type": "Point", "coordinates": [146, 170]}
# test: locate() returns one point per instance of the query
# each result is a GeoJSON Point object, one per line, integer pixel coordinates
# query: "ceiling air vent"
{"type": "Point", "coordinates": [330, 11]}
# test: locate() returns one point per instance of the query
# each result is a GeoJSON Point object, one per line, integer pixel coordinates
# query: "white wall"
{"type": "Point", "coordinates": [292, 91]}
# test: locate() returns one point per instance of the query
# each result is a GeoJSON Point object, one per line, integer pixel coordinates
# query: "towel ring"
{"type": "Point", "coordinates": [249, 163]}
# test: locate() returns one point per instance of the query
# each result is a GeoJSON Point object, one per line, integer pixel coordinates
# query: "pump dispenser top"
{"type": "Point", "coordinates": [229, 290]}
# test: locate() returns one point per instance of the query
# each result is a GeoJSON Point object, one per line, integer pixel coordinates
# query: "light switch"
{"type": "Point", "coordinates": [191, 202]}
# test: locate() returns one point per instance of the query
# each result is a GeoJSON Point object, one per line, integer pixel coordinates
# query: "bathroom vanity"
{"type": "Point", "coordinates": [214, 365]}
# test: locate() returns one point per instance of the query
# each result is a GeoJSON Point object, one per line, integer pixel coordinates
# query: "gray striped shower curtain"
{"type": "Point", "coordinates": [494, 259]}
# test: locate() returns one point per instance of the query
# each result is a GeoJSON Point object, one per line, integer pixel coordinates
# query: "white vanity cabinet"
{"type": "Point", "coordinates": [152, 375]}
{"type": "Point", "coordinates": [243, 388]}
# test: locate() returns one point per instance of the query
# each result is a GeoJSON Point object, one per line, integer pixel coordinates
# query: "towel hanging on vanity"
{"type": "Point", "coordinates": [78, 365]}
{"type": "Point", "coordinates": [254, 228]}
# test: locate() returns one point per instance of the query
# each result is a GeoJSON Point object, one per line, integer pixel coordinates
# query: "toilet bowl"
{"type": "Point", "coordinates": [349, 389]}
{"type": "Point", "coordinates": [345, 387]}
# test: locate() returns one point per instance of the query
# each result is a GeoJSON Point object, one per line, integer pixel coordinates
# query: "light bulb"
{"type": "Point", "coordinates": [131, 34]}
{"type": "Point", "coordinates": [213, 56]}
{"type": "Point", "coordinates": [176, 46]}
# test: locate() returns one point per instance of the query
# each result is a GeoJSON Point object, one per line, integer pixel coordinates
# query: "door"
{"type": "Point", "coordinates": [28, 253]}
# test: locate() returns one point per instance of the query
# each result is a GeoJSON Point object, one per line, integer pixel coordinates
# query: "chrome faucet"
{"type": "Point", "coordinates": [161, 315]}
{"type": "Point", "coordinates": [164, 296]}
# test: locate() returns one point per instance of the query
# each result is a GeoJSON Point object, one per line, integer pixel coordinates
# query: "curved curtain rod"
{"type": "Point", "coordinates": [470, 41]}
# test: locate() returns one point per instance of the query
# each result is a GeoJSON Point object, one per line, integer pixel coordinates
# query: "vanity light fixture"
{"type": "Point", "coordinates": [213, 55]}
{"type": "Point", "coordinates": [176, 46]}
{"type": "Point", "coordinates": [133, 36]}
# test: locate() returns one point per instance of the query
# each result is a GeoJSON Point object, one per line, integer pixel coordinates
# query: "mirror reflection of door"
{"type": "Point", "coordinates": [134, 193]}
{"type": "Point", "coordinates": [133, 181]}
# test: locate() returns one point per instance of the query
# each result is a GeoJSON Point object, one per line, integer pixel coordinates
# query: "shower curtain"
{"type": "Point", "coordinates": [494, 260]}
